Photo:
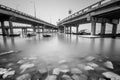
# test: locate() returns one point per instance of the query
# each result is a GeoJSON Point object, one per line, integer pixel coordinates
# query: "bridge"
{"type": "Point", "coordinates": [25, 30]}
{"type": "Point", "coordinates": [104, 11]}
{"type": "Point", "coordinates": [12, 15]}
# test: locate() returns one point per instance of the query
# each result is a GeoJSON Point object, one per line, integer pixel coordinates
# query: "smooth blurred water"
{"type": "Point", "coordinates": [61, 46]}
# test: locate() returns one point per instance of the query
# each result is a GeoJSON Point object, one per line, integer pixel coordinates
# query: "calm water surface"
{"type": "Point", "coordinates": [61, 46]}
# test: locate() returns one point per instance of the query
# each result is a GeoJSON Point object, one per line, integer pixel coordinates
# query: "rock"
{"type": "Point", "coordinates": [88, 68]}
{"type": "Point", "coordinates": [64, 69]}
{"type": "Point", "coordinates": [36, 76]}
{"type": "Point", "coordinates": [83, 77]}
{"type": "Point", "coordinates": [4, 53]}
{"type": "Point", "coordinates": [24, 77]}
{"type": "Point", "coordinates": [21, 61]}
{"type": "Point", "coordinates": [62, 61]}
{"type": "Point", "coordinates": [109, 64]}
{"type": "Point", "coordinates": [9, 73]}
{"type": "Point", "coordinates": [3, 70]}
{"type": "Point", "coordinates": [26, 66]}
{"type": "Point", "coordinates": [56, 71]}
{"type": "Point", "coordinates": [51, 77]}
{"type": "Point", "coordinates": [75, 71]}
{"type": "Point", "coordinates": [89, 58]}
{"type": "Point", "coordinates": [76, 77]}
{"type": "Point", "coordinates": [32, 58]}
{"type": "Point", "coordinates": [111, 75]}
{"type": "Point", "coordinates": [10, 64]}
{"type": "Point", "coordinates": [81, 66]}
{"type": "Point", "coordinates": [43, 70]}
{"type": "Point", "coordinates": [66, 77]}
{"type": "Point", "coordinates": [93, 65]}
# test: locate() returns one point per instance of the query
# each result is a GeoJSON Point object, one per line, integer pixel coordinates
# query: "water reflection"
{"type": "Point", "coordinates": [60, 48]}
{"type": "Point", "coordinates": [5, 42]}
{"type": "Point", "coordinates": [13, 42]}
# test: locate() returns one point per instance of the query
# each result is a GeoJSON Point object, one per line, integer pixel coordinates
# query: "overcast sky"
{"type": "Point", "coordinates": [48, 10]}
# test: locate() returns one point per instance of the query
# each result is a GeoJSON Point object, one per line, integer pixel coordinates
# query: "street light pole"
{"type": "Point", "coordinates": [34, 6]}
{"type": "Point", "coordinates": [34, 9]}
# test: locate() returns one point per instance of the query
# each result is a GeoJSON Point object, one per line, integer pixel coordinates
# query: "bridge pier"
{"type": "Point", "coordinates": [34, 29]}
{"type": "Point", "coordinates": [42, 29]}
{"type": "Point", "coordinates": [7, 31]}
{"type": "Point", "coordinates": [3, 28]}
{"type": "Point", "coordinates": [70, 29]}
{"type": "Point", "coordinates": [22, 31]}
{"type": "Point", "coordinates": [93, 27]}
{"type": "Point", "coordinates": [64, 29]}
{"type": "Point", "coordinates": [11, 27]}
{"type": "Point", "coordinates": [77, 28]}
{"type": "Point", "coordinates": [114, 30]}
{"type": "Point", "coordinates": [103, 27]}
{"type": "Point", "coordinates": [38, 29]}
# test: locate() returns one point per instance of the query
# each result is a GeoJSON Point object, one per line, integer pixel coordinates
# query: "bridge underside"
{"type": "Point", "coordinates": [106, 13]}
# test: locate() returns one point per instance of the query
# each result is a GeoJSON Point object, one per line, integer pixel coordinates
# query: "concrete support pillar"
{"type": "Point", "coordinates": [42, 29]}
{"type": "Point", "coordinates": [65, 29]}
{"type": "Point", "coordinates": [52, 30]}
{"type": "Point", "coordinates": [103, 27]}
{"type": "Point", "coordinates": [25, 31]}
{"type": "Point", "coordinates": [114, 30]}
{"type": "Point", "coordinates": [34, 29]}
{"type": "Point", "coordinates": [7, 31]}
{"type": "Point", "coordinates": [11, 27]}
{"type": "Point", "coordinates": [3, 28]}
{"type": "Point", "coordinates": [38, 29]}
{"type": "Point", "coordinates": [93, 28]}
{"type": "Point", "coordinates": [70, 29]}
{"type": "Point", "coordinates": [22, 31]}
{"type": "Point", "coordinates": [77, 28]}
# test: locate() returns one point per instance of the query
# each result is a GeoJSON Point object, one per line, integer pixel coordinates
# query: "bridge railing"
{"type": "Point", "coordinates": [24, 14]}
{"type": "Point", "coordinates": [87, 9]}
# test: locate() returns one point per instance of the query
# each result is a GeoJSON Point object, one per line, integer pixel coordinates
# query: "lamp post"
{"type": "Point", "coordinates": [34, 8]}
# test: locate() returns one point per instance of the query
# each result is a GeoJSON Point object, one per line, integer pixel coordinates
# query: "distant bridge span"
{"type": "Point", "coordinates": [12, 15]}
{"type": "Point", "coordinates": [104, 11]}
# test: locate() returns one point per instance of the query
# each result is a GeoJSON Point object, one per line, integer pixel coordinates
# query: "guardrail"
{"type": "Point", "coordinates": [87, 9]}
{"type": "Point", "coordinates": [21, 13]}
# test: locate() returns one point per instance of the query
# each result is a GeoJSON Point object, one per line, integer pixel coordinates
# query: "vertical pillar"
{"type": "Point", "coordinates": [22, 31]}
{"type": "Point", "coordinates": [103, 27]}
{"type": "Point", "coordinates": [52, 30]}
{"type": "Point", "coordinates": [25, 31]}
{"type": "Point", "coordinates": [38, 29]}
{"type": "Point", "coordinates": [67, 29]}
{"type": "Point", "coordinates": [70, 29]}
{"type": "Point", "coordinates": [42, 29]}
{"type": "Point", "coordinates": [34, 29]}
{"type": "Point", "coordinates": [93, 27]}
{"type": "Point", "coordinates": [3, 28]}
{"type": "Point", "coordinates": [64, 29]}
{"type": "Point", "coordinates": [7, 31]}
{"type": "Point", "coordinates": [11, 27]}
{"type": "Point", "coordinates": [114, 30]}
{"type": "Point", "coordinates": [77, 28]}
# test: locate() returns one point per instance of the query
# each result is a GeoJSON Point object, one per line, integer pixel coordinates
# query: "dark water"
{"type": "Point", "coordinates": [61, 46]}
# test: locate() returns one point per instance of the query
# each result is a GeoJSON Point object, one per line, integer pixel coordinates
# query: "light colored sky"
{"type": "Point", "coordinates": [48, 10]}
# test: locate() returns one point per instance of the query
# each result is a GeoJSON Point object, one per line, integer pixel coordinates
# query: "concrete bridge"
{"type": "Point", "coordinates": [104, 11]}
{"type": "Point", "coordinates": [12, 15]}
{"type": "Point", "coordinates": [25, 30]}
